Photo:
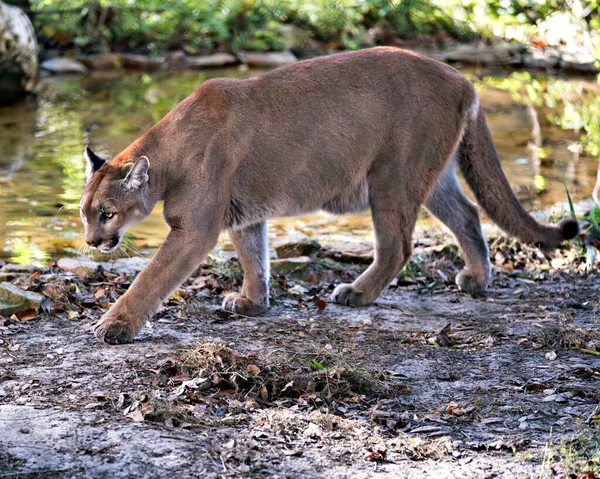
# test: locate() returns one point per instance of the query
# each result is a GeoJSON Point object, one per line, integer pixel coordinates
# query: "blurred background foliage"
{"type": "Point", "coordinates": [201, 26]}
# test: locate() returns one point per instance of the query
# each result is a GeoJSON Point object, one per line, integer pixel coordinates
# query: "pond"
{"type": "Point", "coordinates": [538, 124]}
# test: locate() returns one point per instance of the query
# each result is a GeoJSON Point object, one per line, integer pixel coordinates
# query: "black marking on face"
{"type": "Point", "coordinates": [113, 242]}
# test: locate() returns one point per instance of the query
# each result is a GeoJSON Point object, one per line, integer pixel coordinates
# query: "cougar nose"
{"type": "Point", "coordinates": [93, 243]}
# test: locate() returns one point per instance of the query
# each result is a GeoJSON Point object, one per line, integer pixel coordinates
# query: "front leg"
{"type": "Point", "coordinates": [177, 258]}
{"type": "Point", "coordinates": [253, 253]}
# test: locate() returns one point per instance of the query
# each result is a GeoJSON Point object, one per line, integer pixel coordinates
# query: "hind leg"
{"type": "Point", "coordinates": [253, 253]}
{"type": "Point", "coordinates": [394, 219]}
{"type": "Point", "coordinates": [450, 205]}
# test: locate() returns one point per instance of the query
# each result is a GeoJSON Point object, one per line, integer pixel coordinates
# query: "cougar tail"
{"type": "Point", "coordinates": [480, 166]}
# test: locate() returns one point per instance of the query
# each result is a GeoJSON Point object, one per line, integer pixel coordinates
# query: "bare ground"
{"type": "Point", "coordinates": [310, 389]}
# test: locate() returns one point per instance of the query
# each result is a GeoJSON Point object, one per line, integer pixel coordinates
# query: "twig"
{"type": "Point", "coordinates": [591, 416]}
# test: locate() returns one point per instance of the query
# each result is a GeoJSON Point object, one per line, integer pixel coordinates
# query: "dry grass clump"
{"type": "Point", "coordinates": [284, 374]}
{"type": "Point", "coordinates": [567, 337]}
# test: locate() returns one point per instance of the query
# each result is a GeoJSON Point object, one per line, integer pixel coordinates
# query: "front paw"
{"type": "Point", "coordinates": [347, 295]}
{"type": "Point", "coordinates": [115, 329]}
{"type": "Point", "coordinates": [238, 304]}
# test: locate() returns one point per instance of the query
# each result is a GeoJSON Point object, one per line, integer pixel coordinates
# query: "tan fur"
{"type": "Point", "coordinates": [381, 127]}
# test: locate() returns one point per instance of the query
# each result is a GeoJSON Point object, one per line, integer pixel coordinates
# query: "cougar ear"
{"type": "Point", "coordinates": [138, 175]}
{"type": "Point", "coordinates": [93, 162]}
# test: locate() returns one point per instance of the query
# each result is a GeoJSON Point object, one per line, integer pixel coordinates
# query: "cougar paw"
{"type": "Point", "coordinates": [471, 283]}
{"type": "Point", "coordinates": [114, 330]}
{"type": "Point", "coordinates": [238, 304]}
{"type": "Point", "coordinates": [347, 295]}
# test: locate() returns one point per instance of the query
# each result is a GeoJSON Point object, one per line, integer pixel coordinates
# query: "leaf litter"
{"type": "Point", "coordinates": [427, 373]}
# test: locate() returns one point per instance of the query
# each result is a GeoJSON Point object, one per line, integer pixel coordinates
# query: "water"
{"type": "Point", "coordinates": [42, 167]}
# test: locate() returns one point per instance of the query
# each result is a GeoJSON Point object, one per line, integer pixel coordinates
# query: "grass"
{"type": "Point", "coordinates": [568, 337]}
{"type": "Point", "coordinates": [575, 457]}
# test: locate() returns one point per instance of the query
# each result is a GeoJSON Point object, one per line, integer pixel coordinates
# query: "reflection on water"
{"type": "Point", "coordinates": [546, 132]}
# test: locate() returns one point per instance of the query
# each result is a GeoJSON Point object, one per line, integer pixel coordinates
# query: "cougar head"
{"type": "Point", "coordinates": [115, 198]}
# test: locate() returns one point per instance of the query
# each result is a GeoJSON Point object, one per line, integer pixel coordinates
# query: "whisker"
{"type": "Point", "coordinates": [133, 250]}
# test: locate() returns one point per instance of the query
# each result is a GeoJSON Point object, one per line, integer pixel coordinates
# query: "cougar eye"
{"type": "Point", "coordinates": [108, 214]}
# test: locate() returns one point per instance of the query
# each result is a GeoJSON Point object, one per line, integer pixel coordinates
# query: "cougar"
{"type": "Point", "coordinates": [382, 128]}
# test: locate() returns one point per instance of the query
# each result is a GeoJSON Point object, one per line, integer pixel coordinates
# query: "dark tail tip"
{"type": "Point", "coordinates": [569, 228]}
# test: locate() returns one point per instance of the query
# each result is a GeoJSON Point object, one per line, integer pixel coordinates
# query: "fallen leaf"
{"type": "Point", "coordinates": [136, 416]}
{"type": "Point", "coordinates": [253, 369]}
{"type": "Point", "coordinates": [378, 455]}
{"type": "Point", "coordinates": [264, 394]}
{"type": "Point", "coordinates": [321, 304]}
{"type": "Point", "coordinates": [443, 337]}
{"type": "Point", "coordinates": [24, 315]}
{"type": "Point", "coordinates": [550, 356]}
{"type": "Point", "coordinates": [229, 444]}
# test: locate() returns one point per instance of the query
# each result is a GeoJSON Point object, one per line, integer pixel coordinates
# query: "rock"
{"type": "Point", "coordinates": [64, 66]}
{"type": "Point", "coordinates": [18, 54]}
{"type": "Point", "coordinates": [127, 265]}
{"type": "Point", "coordinates": [19, 268]}
{"type": "Point", "coordinates": [102, 61]}
{"type": "Point", "coordinates": [541, 60]}
{"type": "Point", "coordinates": [578, 62]}
{"type": "Point", "coordinates": [84, 267]}
{"type": "Point", "coordinates": [473, 55]}
{"type": "Point", "coordinates": [141, 62]}
{"type": "Point", "coordinates": [12, 276]}
{"type": "Point", "coordinates": [349, 251]}
{"type": "Point", "coordinates": [13, 299]}
{"type": "Point", "coordinates": [81, 267]}
{"type": "Point", "coordinates": [267, 59]}
{"type": "Point", "coordinates": [210, 61]}
{"type": "Point", "coordinates": [295, 245]}
{"type": "Point", "coordinates": [297, 267]}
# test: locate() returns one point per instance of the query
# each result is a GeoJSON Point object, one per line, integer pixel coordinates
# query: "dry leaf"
{"type": "Point", "coordinates": [550, 356]}
{"type": "Point", "coordinates": [24, 315]}
{"type": "Point", "coordinates": [378, 455]}
{"type": "Point", "coordinates": [136, 416]}
{"type": "Point", "coordinates": [253, 369]}
{"type": "Point", "coordinates": [264, 394]}
{"type": "Point", "coordinates": [320, 303]}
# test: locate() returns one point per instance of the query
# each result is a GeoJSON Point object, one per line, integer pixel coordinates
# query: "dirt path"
{"type": "Point", "coordinates": [386, 391]}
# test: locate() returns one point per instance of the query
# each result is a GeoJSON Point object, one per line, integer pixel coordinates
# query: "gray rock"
{"type": "Point", "coordinates": [19, 268]}
{"type": "Point", "coordinates": [64, 66]}
{"type": "Point", "coordinates": [13, 299]}
{"type": "Point", "coordinates": [541, 60]}
{"type": "Point", "coordinates": [102, 61]}
{"type": "Point", "coordinates": [84, 267]}
{"type": "Point", "coordinates": [297, 267]}
{"type": "Point", "coordinates": [210, 61]}
{"type": "Point", "coordinates": [141, 62]}
{"type": "Point", "coordinates": [18, 54]}
{"type": "Point", "coordinates": [474, 55]}
{"type": "Point", "coordinates": [12, 276]}
{"type": "Point", "coordinates": [578, 62]}
{"type": "Point", "coordinates": [348, 251]}
{"type": "Point", "coordinates": [267, 59]}
{"type": "Point", "coordinates": [295, 245]}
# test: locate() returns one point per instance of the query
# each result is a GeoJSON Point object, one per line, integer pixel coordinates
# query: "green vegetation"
{"type": "Point", "coordinates": [151, 26]}
{"type": "Point", "coordinates": [579, 457]}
